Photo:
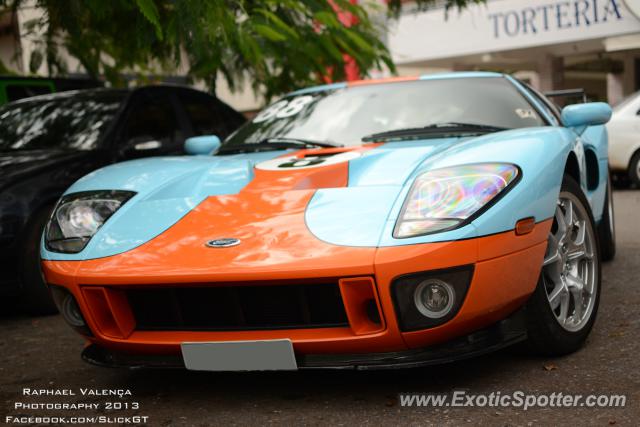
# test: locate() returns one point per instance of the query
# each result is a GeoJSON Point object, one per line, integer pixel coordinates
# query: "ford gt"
{"type": "Point", "coordinates": [370, 224]}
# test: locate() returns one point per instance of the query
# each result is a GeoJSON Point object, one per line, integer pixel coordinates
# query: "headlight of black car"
{"type": "Point", "coordinates": [78, 216]}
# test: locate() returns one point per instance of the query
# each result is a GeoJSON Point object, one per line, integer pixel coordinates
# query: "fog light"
{"type": "Point", "coordinates": [427, 299]}
{"type": "Point", "coordinates": [68, 307]}
{"type": "Point", "coordinates": [434, 298]}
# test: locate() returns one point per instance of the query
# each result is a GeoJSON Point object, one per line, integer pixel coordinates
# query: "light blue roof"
{"type": "Point", "coordinates": [436, 76]}
{"type": "Point", "coordinates": [460, 74]}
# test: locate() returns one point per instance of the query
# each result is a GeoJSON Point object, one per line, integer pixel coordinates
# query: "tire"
{"type": "Point", "coordinates": [607, 227]}
{"type": "Point", "coordinates": [634, 169]}
{"type": "Point", "coordinates": [35, 297]}
{"type": "Point", "coordinates": [547, 334]}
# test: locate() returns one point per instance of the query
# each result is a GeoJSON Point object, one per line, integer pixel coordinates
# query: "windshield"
{"type": "Point", "coordinates": [346, 115]}
{"type": "Point", "coordinates": [68, 122]}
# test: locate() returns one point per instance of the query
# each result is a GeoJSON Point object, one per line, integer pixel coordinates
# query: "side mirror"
{"type": "Point", "coordinates": [581, 116]}
{"type": "Point", "coordinates": [206, 145]}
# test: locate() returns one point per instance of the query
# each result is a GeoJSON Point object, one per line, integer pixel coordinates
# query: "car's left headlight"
{"type": "Point", "coordinates": [78, 216]}
{"type": "Point", "coordinates": [445, 199]}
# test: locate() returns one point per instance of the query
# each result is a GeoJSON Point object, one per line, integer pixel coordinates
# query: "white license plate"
{"type": "Point", "coordinates": [270, 355]}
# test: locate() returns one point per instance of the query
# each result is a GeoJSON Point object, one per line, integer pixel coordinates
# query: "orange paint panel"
{"type": "Point", "coordinates": [60, 272]}
{"type": "Point", "coordinates": [332, 176]}
{"type": "Point", "coordinates": [101, 312]}
{"type": "Point", "coordinates": [119, 306]}
{"type": "Point", "coordinates": [499, 287]}
{"type": "Point", "coordinates": [506, 247]}
{"type": "Point", "coordinates": [504, 243]}
{"type": "Point", "coordinates": [357, 293]}
{"type": "Point", "coordinates": [305, 341]}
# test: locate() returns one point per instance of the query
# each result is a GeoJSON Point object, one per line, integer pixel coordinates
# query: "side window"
{"type": "Point", "coordinates": [17, 91]}
{"type": "Point", "coordinates": [209, 116]}
{"type": "Point", "coordinates": [152, 125]}
{"type": "Point", "coordinates": [550, 109]}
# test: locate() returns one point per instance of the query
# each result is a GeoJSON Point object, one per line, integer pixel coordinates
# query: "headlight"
{"type": "Point", "coordinates": [78, 216]}
{"type": "Point", "coordinates": [448, 198]}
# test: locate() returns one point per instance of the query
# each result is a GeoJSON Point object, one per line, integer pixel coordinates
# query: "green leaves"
{"type": "Point", "coordinates": [269, 33]}
{"type": "Point", "coordinates": [150, 11]}
{"type": "Point", "coordinates": [275, 45]}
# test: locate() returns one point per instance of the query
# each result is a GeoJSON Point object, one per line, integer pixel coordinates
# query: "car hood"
{"type": "Point", "coordinates": [298, 203]}
{"type": "Point", "coordinates": [258, 188]}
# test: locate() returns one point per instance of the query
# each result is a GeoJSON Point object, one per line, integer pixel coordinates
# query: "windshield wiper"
{"type": "Point", "coordinates": [276, 143]}
{"type": "Point", "coordinates": [436, 128]}
{"type": "Point", "coordinates": [299, 141]}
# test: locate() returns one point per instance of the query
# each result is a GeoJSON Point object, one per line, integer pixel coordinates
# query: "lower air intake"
{"type": "Point", "coordinates": [238, 307]}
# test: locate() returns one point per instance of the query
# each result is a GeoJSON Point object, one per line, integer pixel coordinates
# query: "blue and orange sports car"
{"type": "Point", "coordinates": [362, 225]}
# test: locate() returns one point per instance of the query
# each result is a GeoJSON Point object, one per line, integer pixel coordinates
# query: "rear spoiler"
{"type": "Point", "coordinates": [577, 93]}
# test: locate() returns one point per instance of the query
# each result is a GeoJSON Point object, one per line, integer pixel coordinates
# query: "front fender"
{"type": "Point", "coordinates": [540, 153]}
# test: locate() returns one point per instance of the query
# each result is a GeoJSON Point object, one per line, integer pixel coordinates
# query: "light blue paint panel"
{"type": "Point", "coordinates": [393, 163]}
{"type": "Point", "coordinates": [460, 75]}
{"type": "Point", "coordinates": [539, 152]}
{"type": "Point", "coordinates": [350, 216]}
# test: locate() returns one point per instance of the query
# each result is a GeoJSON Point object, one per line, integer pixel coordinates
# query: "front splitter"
{"type": "Point", "coordinates": [500, 335]}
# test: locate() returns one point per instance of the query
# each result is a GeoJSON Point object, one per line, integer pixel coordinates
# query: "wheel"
{"type": "Point", "coordinates": [35, 296]}
{"type": "Point", "coordinates": [607, 227]}
{"type": "Point", "coordinates": [634, 169]}
{"type": "Point", "coordinates": [563, 307]}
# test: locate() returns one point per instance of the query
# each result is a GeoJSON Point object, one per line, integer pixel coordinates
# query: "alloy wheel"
{"type": "Point", "coordinates": [570, 267]}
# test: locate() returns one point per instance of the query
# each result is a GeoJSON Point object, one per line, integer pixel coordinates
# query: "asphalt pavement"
{"type": "Point", "coordinates": [44, 354]}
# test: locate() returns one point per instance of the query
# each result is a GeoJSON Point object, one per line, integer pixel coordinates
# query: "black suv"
{"type": "Point", "coordinates": [48, 142]}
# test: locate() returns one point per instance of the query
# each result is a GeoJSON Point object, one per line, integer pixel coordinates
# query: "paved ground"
{"type": "Point", "coordinates": [44, 353]}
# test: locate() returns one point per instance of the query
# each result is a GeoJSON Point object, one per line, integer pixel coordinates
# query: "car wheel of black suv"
{"type": "Point", "coordinates": [563, 308]}
{"type": "Point", "coordinates": [35, 296]}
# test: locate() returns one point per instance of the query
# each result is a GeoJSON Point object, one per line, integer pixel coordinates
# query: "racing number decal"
{"type": "Point", "coordinates": [301, 163]}
{"type": "Point", "coordinates": [294, 162]}
{"type": "Point", "coordinates": [283, 109]}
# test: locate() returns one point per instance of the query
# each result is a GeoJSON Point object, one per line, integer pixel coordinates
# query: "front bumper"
{"type": "Point", "coordinates": [500, 335]}
{"type": "Point", "coordinates": [506, 269]}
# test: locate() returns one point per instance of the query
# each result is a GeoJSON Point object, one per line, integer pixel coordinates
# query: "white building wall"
{"type": "Point", "coordinates": [502, 25]}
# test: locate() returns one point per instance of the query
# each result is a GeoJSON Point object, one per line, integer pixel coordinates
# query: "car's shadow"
{"type": "Point", "coordinates": [282, 385]}
{"type": "Point", "coordinates": [315, 385]}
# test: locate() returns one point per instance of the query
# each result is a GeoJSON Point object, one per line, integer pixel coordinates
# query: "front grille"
{"type": "Point", "coordinates": [243, 307]}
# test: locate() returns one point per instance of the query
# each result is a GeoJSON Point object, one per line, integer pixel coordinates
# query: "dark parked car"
{"type": "Point", "coordinates": [13, 88]}
{"type": "Point", "coordinates": [48, 142]}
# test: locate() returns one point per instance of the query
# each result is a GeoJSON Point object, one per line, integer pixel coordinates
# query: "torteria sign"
{"type": "Point", "coordinates": [509, 24]}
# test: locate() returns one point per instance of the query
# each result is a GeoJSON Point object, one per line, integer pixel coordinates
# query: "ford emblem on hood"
{"type": "Point", "coordinates": [223, 243]}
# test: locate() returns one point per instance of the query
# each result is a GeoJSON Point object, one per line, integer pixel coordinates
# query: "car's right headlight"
{"type": "Point", "coordinates": [78, 216]}
{"type": "Point", "coordinates": [445, 199]}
